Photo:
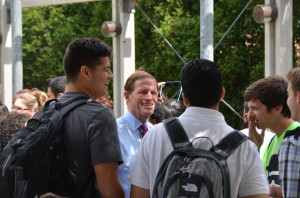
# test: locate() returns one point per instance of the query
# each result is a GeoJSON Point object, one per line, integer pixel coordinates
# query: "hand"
{"type": "Point", "coordinates": [160, 84]}
{"type": "Point", "coordinates": [257, 138]}
{"type": "Point", "coordinates": [275, 191]}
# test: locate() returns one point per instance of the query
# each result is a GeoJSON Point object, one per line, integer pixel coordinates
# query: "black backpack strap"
{"type": "Point", "coordinates": [295, 132]}
{"type": "Point", "coordinates": [71, 104]}
{"type": "Point", "coordinates": [176, 133]}
{"type": "Point", "coordinates": [229, 143]}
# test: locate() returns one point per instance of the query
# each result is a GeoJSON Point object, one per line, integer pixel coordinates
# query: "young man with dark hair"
{"type": "Point", "coordinates": [267, 100]}
{"type": "Point", "coordinates": [289, 152]}
{"type": "Point", "coordinates": [202, 86]}
{"type": "Point", "coordinates": [91, 136]}
{"type": "Point", "coordinates": [56, 87]}
{"type": "Point", "coordinates": [141, 95]}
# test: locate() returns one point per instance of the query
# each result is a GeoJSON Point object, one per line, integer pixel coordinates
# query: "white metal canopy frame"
{"type": "Point", "coordinates": [278, 42]}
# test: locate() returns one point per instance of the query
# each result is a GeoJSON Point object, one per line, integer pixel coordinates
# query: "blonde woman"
{"type": "Point", "coordinates": [29, 103]}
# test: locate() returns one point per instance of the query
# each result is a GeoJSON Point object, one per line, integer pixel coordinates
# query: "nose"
{"type": "Point", "coordinates": [148, 95]}
{"type": "Point", "coordinates": [250, 111]}
{"type": "Point", "coordinates": [110, 75]}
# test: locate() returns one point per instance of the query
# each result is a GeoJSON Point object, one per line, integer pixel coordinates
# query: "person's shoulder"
{"type": "Point", "coordinates": [91, 108]}
{"type": "Point", "coordinates": [291, 141]}
{"type": "Point", "coordinates": [157, 132]}
{"type": "Point", "coordinates": [123, 126]}
{"type": "Point", "coordinates": [121, 119]}
{"type": "Point", "coordinates": [248, 147]}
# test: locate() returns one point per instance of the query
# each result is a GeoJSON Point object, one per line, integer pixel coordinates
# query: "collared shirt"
{"type": "Point", "coordinates": [270, 158]}
{"type": "Point", "coordinates": [246, 173]}
{"type": "Point", "coordinates": [289, 166]}
{"type": "Point", "coordinates": [130, 140]}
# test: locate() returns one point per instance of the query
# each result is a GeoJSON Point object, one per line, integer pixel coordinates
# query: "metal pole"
{"type": "Point", "coordinates": [5, 54]}
{"type": "Point", "coordinates": [206, 29]}
{"type": "Point", "coordinates": [124, 51]}
{"type": "Point", "coordinates": [270, 44]}
{"type": "Point", "coordinates": [284, 37]}
{"type": "Point", "coordinates": [16, 16]}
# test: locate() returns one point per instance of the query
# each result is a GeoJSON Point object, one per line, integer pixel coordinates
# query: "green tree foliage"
{"type": "Point", "coordinates": [47, 31]}
{"type": "Point", "coordinates": [240, 55]}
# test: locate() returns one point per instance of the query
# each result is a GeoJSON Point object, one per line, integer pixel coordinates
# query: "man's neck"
{"type": "Point", "coordinates": [76, 87]}
{"type": "Point", "coordinates": [215, 107]}
{"type": "Point", "coordinates": [281, 126]}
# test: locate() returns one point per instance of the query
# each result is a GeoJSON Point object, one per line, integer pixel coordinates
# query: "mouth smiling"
{"type": "Point", "coordinates": [147, 105]}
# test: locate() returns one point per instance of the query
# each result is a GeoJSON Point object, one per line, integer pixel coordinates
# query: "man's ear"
{"type": "Point", "coordinates": [185, 100]}
{"type": "Point", "coordinates": [126, 95]}
{"type": "Point", "coordinates": [278, 108]}
{"type": "Point", "coordinates": [222, 94]}
{"type": "Point", "coordinates": [59, 94]}
{"type": "Point", "coordinates": [298, 96]}
{"type": "Point", "coordinates": [85, 72]}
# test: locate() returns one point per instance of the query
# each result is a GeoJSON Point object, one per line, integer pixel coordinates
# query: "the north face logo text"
{"type": "Point", "coordinates": [190, 187]}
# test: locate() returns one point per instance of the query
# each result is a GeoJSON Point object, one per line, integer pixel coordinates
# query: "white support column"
{"type": "Point", "coordinates": [16, 21]}
{"type": "Point", "coordinates": [206, 29]}
{"type": "Point", "coordinates": [284, 37]}
{"type": "Point", "coordinates": [270, 44]}
{"type": "Point", "coordinates": [5, 55]}
{"type": "Point", "coordinates": [123, 51]}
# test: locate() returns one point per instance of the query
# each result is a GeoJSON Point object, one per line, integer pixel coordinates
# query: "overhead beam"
{"type": "Point", "coordinates": [36, 3]}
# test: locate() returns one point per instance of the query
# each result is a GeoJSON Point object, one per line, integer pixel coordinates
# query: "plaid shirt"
{"type": "Point", "coordinates": [289, 167]}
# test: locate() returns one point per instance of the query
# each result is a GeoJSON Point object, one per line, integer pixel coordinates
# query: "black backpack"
{"type": "Point", "coordinates": [194, 172]}
{"type": "Point", "coordinates": [33, 161]}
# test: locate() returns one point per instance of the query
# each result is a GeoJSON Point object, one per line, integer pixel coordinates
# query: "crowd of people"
{"type": "Point", "coordinates": [125, 154]}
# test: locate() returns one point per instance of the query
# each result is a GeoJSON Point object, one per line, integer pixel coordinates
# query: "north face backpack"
{"type": "Point", "coordinates": [33, 161]}
{"type": "Point", "coordinates": [194, 172]}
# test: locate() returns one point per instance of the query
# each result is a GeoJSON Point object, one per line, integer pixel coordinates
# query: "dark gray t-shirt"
{"type": "Point", "coordinates": [91, 137]}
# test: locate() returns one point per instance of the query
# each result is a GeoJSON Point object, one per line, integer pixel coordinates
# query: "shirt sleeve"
{"type": "Point", "coordinates": [289, 167]}
{"type": "Point", "coordinates": [253, 176]}
{"type": "Point", "coordinates": [103, 139]}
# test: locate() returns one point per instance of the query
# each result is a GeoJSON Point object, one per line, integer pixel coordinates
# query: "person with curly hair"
{"type": "Point", "coordinates": [11, 124]}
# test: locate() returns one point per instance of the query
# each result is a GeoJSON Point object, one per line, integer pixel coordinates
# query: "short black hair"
{"type": "Point", "coordinates": [84, 51]}
{"type": "Point", "coordinates": [202, 83]}
{"type": "Point", "coordinates": [174, 108]}
{"type": "Point", "coordinates": [158, 114]}
{"type": "Point", "coordinates": [57, 84]}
